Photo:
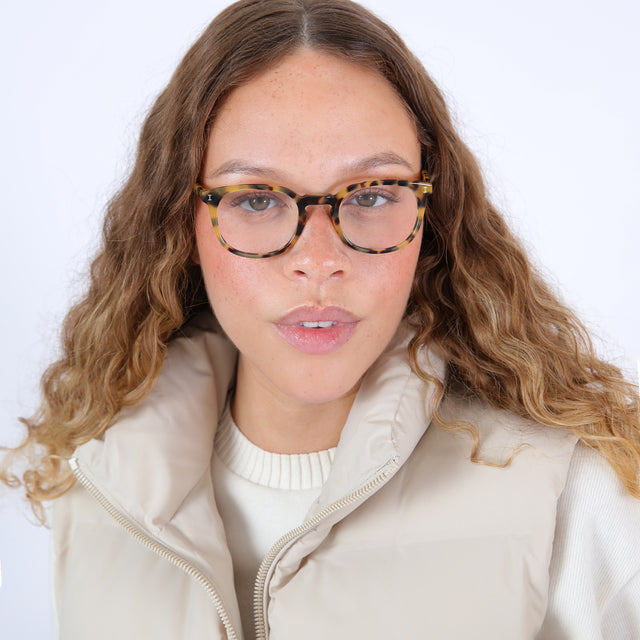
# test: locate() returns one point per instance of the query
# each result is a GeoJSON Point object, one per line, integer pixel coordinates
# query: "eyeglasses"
{"type": "Point", "coordinates": [260, 220]}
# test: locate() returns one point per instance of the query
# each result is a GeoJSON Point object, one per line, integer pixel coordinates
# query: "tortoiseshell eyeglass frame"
{"type": "Point", "coordinates": [212, 197]}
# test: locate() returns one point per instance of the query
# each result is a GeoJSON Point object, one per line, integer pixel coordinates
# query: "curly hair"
{"type": "Point", "coordinates": [476, 296]}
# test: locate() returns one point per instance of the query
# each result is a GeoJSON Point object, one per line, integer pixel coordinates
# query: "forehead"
{"type": "Point", "coordinates": [312, 111]}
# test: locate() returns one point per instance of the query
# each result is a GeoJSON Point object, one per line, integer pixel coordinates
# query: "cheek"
{"type": "Point", "coordinates": [214, 260]}
{"type": "Point", "coordinates": [230, 280]}
{"type": "Point", "coordinates": [391, 275]}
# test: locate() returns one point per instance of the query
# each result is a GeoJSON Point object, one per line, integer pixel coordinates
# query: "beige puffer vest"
{"type": "Point", "coordinates": [408, 539]}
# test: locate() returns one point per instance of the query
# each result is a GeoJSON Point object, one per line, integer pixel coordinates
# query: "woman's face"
{"type": "Point", "coordinates": [315, 124]}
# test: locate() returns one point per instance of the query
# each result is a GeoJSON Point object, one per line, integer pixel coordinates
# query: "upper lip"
{"type": "Point", "coordinates": [317, 314]}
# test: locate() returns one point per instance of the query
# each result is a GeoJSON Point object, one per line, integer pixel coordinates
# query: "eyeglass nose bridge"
{"type": "Point", "coordinates": [303, 203]}
{"type": "Point", "coordinates": [308, 201]}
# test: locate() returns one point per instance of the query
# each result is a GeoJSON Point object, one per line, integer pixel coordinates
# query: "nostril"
{"type": "Point", "coordinates": [317, 258]}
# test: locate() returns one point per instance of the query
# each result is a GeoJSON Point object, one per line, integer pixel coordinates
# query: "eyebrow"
{"type": "Point", "coordinates": [244, 168]}
{"type": "Point", "coordinates": [363, 165]}
{"type": "Point", "coordinates": [378, 160]}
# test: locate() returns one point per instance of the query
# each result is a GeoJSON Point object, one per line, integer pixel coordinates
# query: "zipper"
{"type": "Point", "coordinates": [259, 610]}
{"type": "Point", "coordinates": [156, 547]}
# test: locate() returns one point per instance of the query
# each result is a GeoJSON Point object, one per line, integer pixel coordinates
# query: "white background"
{"type": "Point", "coordinates": [545, 93]}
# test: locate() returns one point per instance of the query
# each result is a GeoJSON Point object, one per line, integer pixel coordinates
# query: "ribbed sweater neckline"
{"type": "Point", "coordinates": [295, 471]}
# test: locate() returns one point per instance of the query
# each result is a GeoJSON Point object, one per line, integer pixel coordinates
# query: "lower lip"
{"type": "Point", "coordinates": [318, 341]}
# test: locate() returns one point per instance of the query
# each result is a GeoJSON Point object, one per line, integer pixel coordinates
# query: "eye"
{"type": "Point", "coordinates": [256, 201]}
{"type": "Point", "coordinates": [370, 198]}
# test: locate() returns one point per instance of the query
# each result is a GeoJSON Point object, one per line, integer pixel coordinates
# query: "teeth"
{"type": "Point", "coordinates": [318, 325]}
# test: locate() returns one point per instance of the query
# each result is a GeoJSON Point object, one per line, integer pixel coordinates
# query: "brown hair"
{"type": "Point", "coordinates": [476, 296]}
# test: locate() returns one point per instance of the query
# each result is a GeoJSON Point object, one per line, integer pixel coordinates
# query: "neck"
{"type": "Point", "coordinates": [278, 423]}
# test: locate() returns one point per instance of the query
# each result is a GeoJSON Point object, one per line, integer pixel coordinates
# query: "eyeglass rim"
{"type": "Point", "coordinates": [333, 200]}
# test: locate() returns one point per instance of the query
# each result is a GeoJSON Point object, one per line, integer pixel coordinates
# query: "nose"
{"type": "Point", "coordinates": [319, 254]}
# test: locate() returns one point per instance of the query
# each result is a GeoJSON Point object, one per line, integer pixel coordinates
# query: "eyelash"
{"type": "Point", "coordinates": [244, 197]}
{"type": "Point", "coordinates": [371, 191]}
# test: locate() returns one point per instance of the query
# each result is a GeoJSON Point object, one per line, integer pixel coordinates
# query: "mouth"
{"type": "Point", "coordinates": [317, 331]}
{"type": "Point", "coordinates": [318, 325]}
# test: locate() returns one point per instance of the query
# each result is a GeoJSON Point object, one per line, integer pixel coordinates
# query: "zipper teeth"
{"type": "Point", "coordinates": [156, 547]}
{"type": "Point", "coordinates": [258, 609]}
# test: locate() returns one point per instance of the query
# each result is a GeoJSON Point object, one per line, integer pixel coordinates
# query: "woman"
{"type": "Point", "coordinates": [376, 427]}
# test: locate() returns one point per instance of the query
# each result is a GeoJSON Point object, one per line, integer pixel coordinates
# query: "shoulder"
{"type": "Point", "coordinates": [512, 482]}
{"type": "Point", "coordinates": [596, 510]}
{"type": "Point", "coordinates": [593, 488]}
{"type": "Point", "coordinates": [501, 432]}
{"type": "Point", "coordinates": [595, 568]}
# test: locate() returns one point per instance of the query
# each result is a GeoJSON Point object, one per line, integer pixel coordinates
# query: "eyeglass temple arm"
{"type": "Point", "coordinates": [428, 187]}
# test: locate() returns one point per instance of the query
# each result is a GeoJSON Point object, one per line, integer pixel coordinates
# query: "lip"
{"type": "Point", "coordinates": [321, 340]}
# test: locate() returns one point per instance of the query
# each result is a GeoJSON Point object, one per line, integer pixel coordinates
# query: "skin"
{"type": "Point", "coordinates": [314, 123]}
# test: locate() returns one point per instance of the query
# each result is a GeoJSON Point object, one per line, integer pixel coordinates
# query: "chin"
{"type": "Point", "coordinates": [320, 394]}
